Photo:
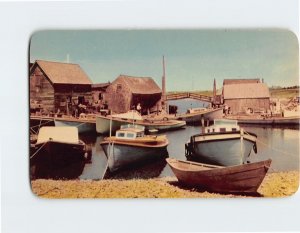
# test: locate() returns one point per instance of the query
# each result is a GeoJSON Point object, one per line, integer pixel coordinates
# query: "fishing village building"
{"type": "Point", "coordinates": [59, 87]}
{"type": "Point", "coordinates": [98, 93]}
{"type": "Point", "coordinates": [245, 95]}
{"type": "Point", "coordinates": [127, 92]}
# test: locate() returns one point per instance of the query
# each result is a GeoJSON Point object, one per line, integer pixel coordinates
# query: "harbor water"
{"type": "Point", "coordinates": [281, 144]}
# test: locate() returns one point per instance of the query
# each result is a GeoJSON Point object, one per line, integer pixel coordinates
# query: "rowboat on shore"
{"type": "Point", "coordinates": [224, 143]}
{"type": "Point", "coordinates": [244, 178]}
{"type": "Point", "coordinates": [59, 153]}
{"type": "Point", "coordinates": [131, 146]}
{"type": "Point", "coordinates": [103, 122]}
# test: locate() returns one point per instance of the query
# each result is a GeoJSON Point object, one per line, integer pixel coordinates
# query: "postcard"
{"type": "Point", "coordinates": [164, 113]}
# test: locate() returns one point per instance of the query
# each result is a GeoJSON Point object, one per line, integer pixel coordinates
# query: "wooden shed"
{"type": "Point", "coordinates": [245, 96]}
{"type": "Point", "coordinates": [127, 93]}
{"type": "Point", "coordinates": [59, 87]}
{"type": "Point", "coordinates": [98, 92]}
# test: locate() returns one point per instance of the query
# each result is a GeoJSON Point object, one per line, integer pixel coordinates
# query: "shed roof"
{"type": "Point", "coordinates": [62, 73]}
{"type": "Point", "coordinates": [244, 80]}
{"type": "Point", "coordinates": [100, 85]}
{"type": "Point", "coordinates": [246, 90]}
{"type": "Point", "coordinates": [140, 85]}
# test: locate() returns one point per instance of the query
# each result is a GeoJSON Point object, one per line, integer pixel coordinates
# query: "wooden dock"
{"type": "Point", "coordinates": [185, 95]}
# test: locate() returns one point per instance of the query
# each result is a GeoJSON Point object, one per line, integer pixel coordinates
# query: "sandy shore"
{"type": "Point", "coordinates": [274, 185]}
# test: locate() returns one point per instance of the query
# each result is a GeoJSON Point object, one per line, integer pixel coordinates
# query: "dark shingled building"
{"type": "Point", "coordinates": [58, 87]}
{"type": "Point", "coordinates": [127, 92]}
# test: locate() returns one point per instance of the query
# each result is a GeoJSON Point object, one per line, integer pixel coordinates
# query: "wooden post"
{"type": "Point", "coordinates": [202, 124]}
{"type": "Point", "coordinates": [242, 144]}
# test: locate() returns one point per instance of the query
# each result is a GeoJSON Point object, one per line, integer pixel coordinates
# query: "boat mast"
{"type": "Point", "coordinates": [214, 93]}
{"type": "Point", "coordinates": [164, 99]}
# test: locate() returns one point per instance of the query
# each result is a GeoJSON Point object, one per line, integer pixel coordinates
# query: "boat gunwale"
{"type": "Point", "coordinates": [222, 139]}
{"type": "Point", "coordinates": [80, 142]}
{"type": "Point", "coordinates": [133, 144]}
{"type": "Point", "coordinates": [219, 133]}
{"type": "Point", "coordinates": [146, 122]}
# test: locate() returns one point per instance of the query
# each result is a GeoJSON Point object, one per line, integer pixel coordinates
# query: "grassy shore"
{"type": "Point", "coordinates": [281, 93]}
{"type": "Point", "coordinates": [274, 185]}
{"type": "Point", "coordinates": [278, 93]}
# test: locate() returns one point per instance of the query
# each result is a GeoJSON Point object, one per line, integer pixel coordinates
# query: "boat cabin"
{"type": "Point", "coordinates": [130, 132]}
{"type": "Point", "coordinates": [63, 134]}
{"type": "Point", "coordinates": [223, 126]}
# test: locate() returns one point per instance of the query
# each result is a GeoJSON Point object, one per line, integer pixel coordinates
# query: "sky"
{"type": "Point", "coordinates": [193, 58]}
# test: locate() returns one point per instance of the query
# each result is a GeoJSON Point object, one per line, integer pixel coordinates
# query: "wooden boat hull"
{"type": "Point", "coordinates": [269, 121]}
{"type": "Point", "coordinates": [83, 126]}
{"type": "Point", "coordinates": [103, 124]}
{"type": "Point", "coordinates": [195, 118]}
{"type": "Point", "coordinates": [124, 154]}
{"type": "Point", "coordinates": [244, 178]}
{"type": "Point", "coordinates": [227, 149]}
{"type": "Point", "coordinates": [59, 160]}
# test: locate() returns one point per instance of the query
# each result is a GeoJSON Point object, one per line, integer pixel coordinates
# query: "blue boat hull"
{"type": "Point", "coordinates": [122, 156]}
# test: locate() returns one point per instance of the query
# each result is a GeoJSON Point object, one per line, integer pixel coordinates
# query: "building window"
{"type": "Point", "coordinates": [222, 130]}
{"type": "Point", "coordinates": [119, 87]}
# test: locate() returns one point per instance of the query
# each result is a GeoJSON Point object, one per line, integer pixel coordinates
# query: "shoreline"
{"type": "Point", "coordinates": [277, 184]}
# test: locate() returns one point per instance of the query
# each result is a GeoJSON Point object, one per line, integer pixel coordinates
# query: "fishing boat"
{"type": "Point", "coordinates": [103, 122]}
{"type": "Point", "coordinates": [193, 115]}
{"type": "Point", "coordinates": [224, 143]}
{"type": "Point", "coordinates": [244, 178]}
{"type": "Point", "coordinates": [59, 153]}
{"type": "Point", "coordinates": [131, 145]}
{"type": "Point", "coordinates": [260, 120]}
{"type": "Point", "coordinates": [85, 123]}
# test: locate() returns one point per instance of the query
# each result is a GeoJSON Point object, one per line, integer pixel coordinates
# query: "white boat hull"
{"type": "Point", "coordinates": [221, 149]}
{"type": "Point", "coordinates": [103, 125]}
{"type": "Point", "coordinates": [196, 118]}
{"type": "Point", "coordinates": [83, 127]}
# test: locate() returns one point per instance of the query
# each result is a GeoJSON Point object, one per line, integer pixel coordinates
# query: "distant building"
{"type": "Point", "coordinates": [98, 91]}
{"type": "Point", "coordinates": [59, 87]}
{"type": "Point", "coordinates": [245, 95]}
{"type": "Point", "coordinates": [127, 93]}
{"type": "Point", "coordinates": [239, 81]}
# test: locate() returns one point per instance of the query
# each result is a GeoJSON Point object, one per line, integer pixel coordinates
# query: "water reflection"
{"type": "Point", "coordinates": [146, 170]}
{"type": "Point", "coordinates": [279, 144]}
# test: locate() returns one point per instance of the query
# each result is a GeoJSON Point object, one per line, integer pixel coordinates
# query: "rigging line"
{"type": "Point", "coordinates": [263, 143]}
{"type": "Point", "coordinates": [41, 124]}
{"type": "Point", "coordinates": [38, 150]}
